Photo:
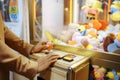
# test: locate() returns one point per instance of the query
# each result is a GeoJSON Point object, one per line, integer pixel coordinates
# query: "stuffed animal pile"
{"type": "Point", "coordinates": [95, 34]}
{"type": "Point", "coordinates": [111, 41]}
{"type": "Point", "coordinates": [101, 73]}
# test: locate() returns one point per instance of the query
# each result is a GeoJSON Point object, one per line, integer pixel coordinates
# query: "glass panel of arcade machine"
{"type": "Point", "coordinates": [102, 21]}
{"type": "Point", "coordinates": [91, 14]}
{"type": "Point", "coordinates": [35, 20]}
{"type": "Point", "coordinates": [38, 21]}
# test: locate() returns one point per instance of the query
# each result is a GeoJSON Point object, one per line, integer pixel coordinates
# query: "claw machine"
{"type": "Point", "coordinates": [96, 18]}
{"type": "Point", "coordinates": [16, 18]}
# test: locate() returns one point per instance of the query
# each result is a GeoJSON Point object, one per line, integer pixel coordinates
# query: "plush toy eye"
{"type": "Point", "coordinates": [90, 18]}
{"type": "Point", "coordinates": [79, 29]}
{"type": "Point", "coordinates": [87, 17]}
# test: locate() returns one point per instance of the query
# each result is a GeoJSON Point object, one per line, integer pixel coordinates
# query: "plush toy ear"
{"type": "Point", "coordinates": [115, 10]}
{"type": "Point", "coordinates": [107, 40]}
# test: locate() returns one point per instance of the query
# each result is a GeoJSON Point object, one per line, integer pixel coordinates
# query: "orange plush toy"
{"type": "Point", "coordinates": [97, 24]}
{"type": "Point", "coordinates": [103, 25]}
{"type": "Point", "coordinates": [92, 28]}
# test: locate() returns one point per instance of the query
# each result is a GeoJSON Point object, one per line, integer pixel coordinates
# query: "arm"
{"type": "Point", "coordinates": [22, 65]}
{"type": "Point", "coordinates": [16, 43]}
{"type": "Point", "coordinates": [21, 46]}
{"type": "Point", "coordinates": [16, 62]}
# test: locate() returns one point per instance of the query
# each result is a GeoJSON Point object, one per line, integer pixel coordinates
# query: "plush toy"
{"type": "Point", "coordinates": [78, 36]}
{"type": "Point", "coordinates": [92, 8]}
{"type": "Point", "coordinates": [80, 31]}
{"type": "Point", "coordinates": [115, 11]}
{"type": "Point", "coordinates": [97, 24]}
{"type": "Point", "coordinates": [97, 27]}
{"type": "Point", "coordinates": [113, 75]}
{"type": "Point", "coordinates": [108, 40]}
{"type": "Point", "coordinates": [92, 28]}
{"type": "Point", "coordinates": [88, 36]}
{"type": "Point", "coordinates": [104, 25]}
{"type": "Point", "coordinates": [114, 26]}
{"type": "Point", "coordinates": [114, 46]}
{"type": "Point", "coordinates": [112, 42]}
{"type": "Point", "coordinates": [94, 24]}
{"type": "Point", "coordinates": [53, 40]}
{"type": "Point", "coordinates": [99, 72]}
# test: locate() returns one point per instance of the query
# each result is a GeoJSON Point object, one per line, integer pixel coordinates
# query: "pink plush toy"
{"type": "Point", "coordinates": [99, 72]}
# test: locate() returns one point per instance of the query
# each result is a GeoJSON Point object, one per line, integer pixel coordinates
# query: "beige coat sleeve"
{"type": "Point", "coordinates": [16, 43]}
{"type": "Point", "coordinates": [16, 62]}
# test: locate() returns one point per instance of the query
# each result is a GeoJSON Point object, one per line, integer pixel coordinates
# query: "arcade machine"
{"type": "Point", "coordinates": [91, 53]}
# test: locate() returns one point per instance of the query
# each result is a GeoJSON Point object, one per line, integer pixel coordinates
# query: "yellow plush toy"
{"type": "Point", "coordinates": [93, 5]}
{"type": "Point", "coordinates": [115, 11]}
{"type": "Point", "coordinates": [53, 39]}
{"type": "Point", "coordinates": [92, 8]}
{"type": "Point", "coordinates": [110, 75]}
{"type": "Point", "coordinates": [113, 75]}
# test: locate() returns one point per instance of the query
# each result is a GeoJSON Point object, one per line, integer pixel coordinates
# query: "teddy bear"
{"type": "Point", "coordinates": [112, 42]}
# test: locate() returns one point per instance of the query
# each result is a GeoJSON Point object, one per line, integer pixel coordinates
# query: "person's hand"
{"type": "Point", "coordinates": [47, 61]}
{"type": "Point", "coordinates": [41, 46]}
